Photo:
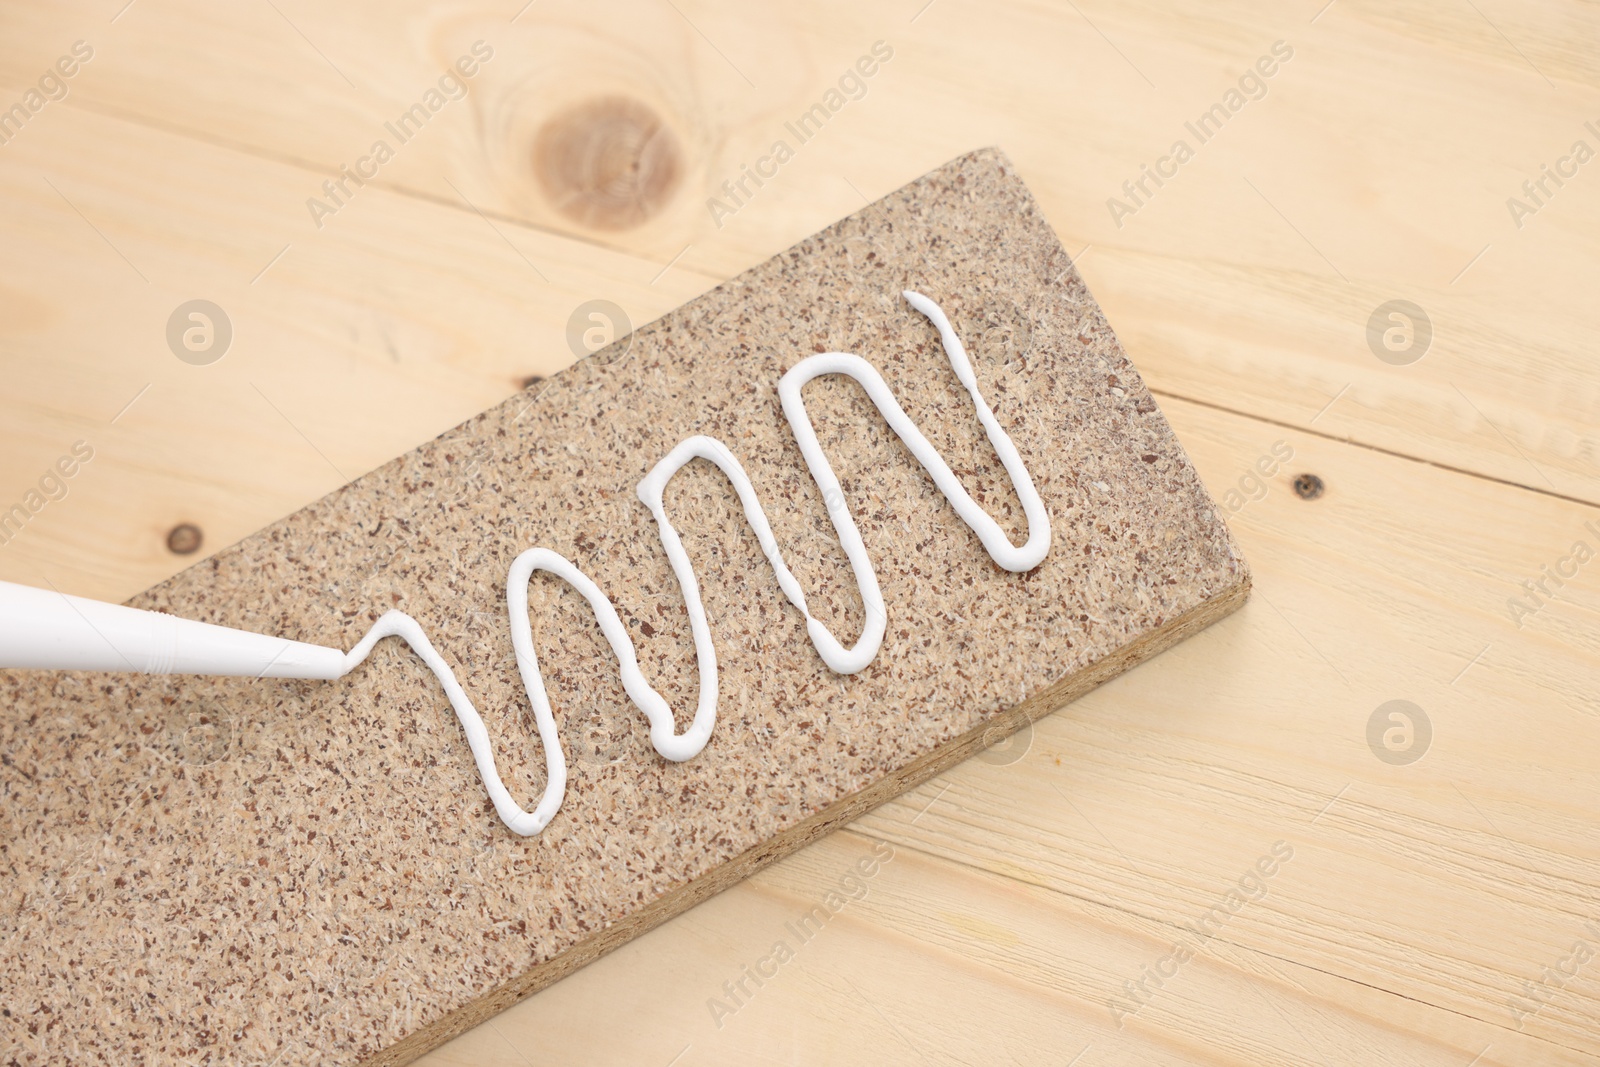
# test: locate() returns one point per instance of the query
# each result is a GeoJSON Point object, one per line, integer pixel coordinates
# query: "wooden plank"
{"type": "Point", "coordinates": [1248, 280]}
{"type": "Point", "coordinates": [266, 845]}
{"type": "Point", "coordinates": [349, 346]}
{"type": "Point", "coordinates": [1420, 904]}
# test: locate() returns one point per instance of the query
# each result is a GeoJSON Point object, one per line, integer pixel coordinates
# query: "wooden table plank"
{"type": "Point", "coordinates": [1377, 166]}
{"type": "Point", "coordinates": [349, 347]}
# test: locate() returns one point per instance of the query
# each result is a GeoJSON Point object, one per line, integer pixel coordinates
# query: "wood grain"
{"type": "Point", "coordinates": [398, 306]}
{"type": "Point", "coordinates": [1377, 167]}
{"type": "Point", "coordinates": [1381, 161]}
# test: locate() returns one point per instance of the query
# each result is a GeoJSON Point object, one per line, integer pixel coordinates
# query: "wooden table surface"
{"type": "Point", "coordinates": [1241, 852]}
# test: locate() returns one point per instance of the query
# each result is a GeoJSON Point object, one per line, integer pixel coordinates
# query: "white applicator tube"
{"type": "Point", "coordinates": [42, 629]}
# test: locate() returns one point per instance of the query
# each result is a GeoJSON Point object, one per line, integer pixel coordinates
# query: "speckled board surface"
{"type": "Point", "coordinates": [208, 871]}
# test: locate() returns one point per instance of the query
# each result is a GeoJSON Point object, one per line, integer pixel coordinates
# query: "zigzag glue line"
{"type": "Point", "coordinates": [663, 735]}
